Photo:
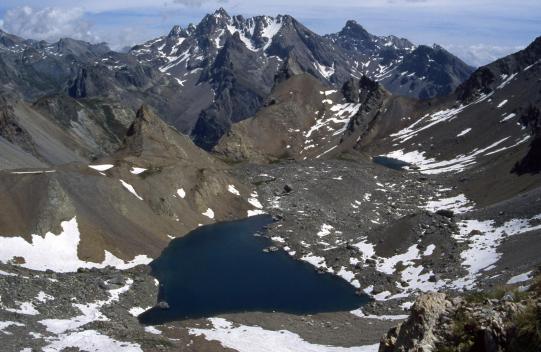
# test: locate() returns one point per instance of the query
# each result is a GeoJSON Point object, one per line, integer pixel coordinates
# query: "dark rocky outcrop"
{"type": "Point", "coordinates": [13, 132]}
{"type": "Point", "coordinates": [501, 320]}
{"type": "Point", "coordinates": [487, 78]}
{"type": "Point", "coordinates": [531, 163]}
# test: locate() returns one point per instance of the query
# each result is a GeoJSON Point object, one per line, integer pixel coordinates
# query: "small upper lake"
{"type": "Point", "coordinates": [391, 163]}
{"type": "Point", "coordinates": [222, 268]}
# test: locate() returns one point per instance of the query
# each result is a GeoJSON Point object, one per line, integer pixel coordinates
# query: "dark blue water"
{"type": "Point", "coordinates": [391, 163]}
{"type": "Point", "coordinates": [221, 269]}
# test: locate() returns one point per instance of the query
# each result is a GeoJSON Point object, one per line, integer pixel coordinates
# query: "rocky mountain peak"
{"type": "Point", "coordinates": [532, 53]}
{"type": "Point", "coordinates": [212, 23]}
{"type": "Point", "coordinates": [176, 31]}
{"type": "Point", "coordinates": [8, 40]}
{"type": "Point", "coordinates": [287, 19]}
{"type": "Point", "coordinates": [221, 13]}
{"type": "Point", "coordinates": [145, 125]}
{"type": "Point", "coordinates": [191, 28]}
{"type": "Point", "coordinates": [153, 139]}
{"type": "Point", "coordinates": [354, 30]}
{"type": "Point", "coordinates": [80, 48]}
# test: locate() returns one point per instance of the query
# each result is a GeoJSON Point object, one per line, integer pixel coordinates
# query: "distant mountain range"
{"type": "Point", "coordinates": [205, 77]}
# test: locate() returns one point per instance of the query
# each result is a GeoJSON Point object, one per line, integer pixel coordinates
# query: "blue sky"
{"type": "Point", "coordinates": [479, 31]}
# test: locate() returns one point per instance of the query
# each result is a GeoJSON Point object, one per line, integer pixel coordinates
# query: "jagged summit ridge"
{"type": "Point", "coordinates": [203, 77]}
{"type": "Point", "coordinates": [239, 60]}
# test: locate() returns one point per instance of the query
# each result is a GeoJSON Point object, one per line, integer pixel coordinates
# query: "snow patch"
{"type": "Point", "coordinates": [101, 168]}
{"type": "Point", "coordinates": [70, 333]}
{"type": "Point", "coordinates": [181, 193]}
{"type": "Point", "coordinates": [508, 117]}
{"type": "Point", "coordinates": [483, 238]}
{"type": "Point", "coordinates": [255, 201]}
{"type": "Point", "coordinates": [58, 252]}
{"type": "Point", "coordinates": [463, 133]}
{"type": "Point", "coordinates": [325, 71]}
{"type": "Point", "coordinates": [429, 250]}
{"type": "Point", "coordinates": [325, 230]}
{"type": "Point", "coordinates": [137, 170]}
{"type": "Point", "coordinates": [245, 338]}
{"type": "Point", "coordinates": [359, 313]}
{"type": "Point", "coordinates": [6, 324]}
{"type": "Point", "coordinates": [136, 311]}
{"type": "Point", "coordinates": [130, 189]}
{"type": "Point", "coordinates": [502, 103]}
{"type": "Point", "coordinates": [255, 212]}
{"type": "Point", "coordinates": [209, 213]}
{"type": "Point", "coordinates": [152, 330]}
{"type": "Point", "coordinates": [43, 297]}
{"type": "Point", "coordinates": [91, 340]}
{"type": "Point", "coordinates": [25, 308]}
{"type": "Point", "coordinates": [507, 81]}
{"type": "Point", "coordinates": [456, 165]}
{"type": "Point", "coordinates": [233, 190]}
{"type": "Point", "coordinates": [520, 278]}
{"type": "Point", "coordinates": [459, 204]}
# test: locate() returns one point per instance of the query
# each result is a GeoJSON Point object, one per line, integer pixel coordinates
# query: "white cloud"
{"type": "Point", "coordinates": [128, 22]}
{"type": "Point", "coordinates": [481, 54]}
{"type": "Point", "coordinates": [197, 3]}
{"type": "Point", "coordinates": [48, 23]}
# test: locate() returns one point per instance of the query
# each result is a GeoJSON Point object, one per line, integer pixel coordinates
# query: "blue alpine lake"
{"type": "Point", "coordinates": [222, 268]}
{"type": "Point", "coordinates": [391, 163]}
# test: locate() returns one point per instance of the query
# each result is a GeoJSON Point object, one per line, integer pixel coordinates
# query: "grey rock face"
{"type": "Point", "coordinates": [487, 78]}
{"type": "Point", "coordinates": [400, 66]}
{"type": "Point", "coordinates": [205, 77]}
{"type": "Point", "coordinates": [239, 60]}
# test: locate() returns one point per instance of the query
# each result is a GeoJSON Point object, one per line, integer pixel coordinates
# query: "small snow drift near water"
{"type": "Point", "coordinates": [359, 312]}
{"type": "Point", "coordinates": [254, 201]}
{"type": "Point", "coordinates": [58, 252]}
{"type": "Point", "coordinates": [209, 213]}
{"type": "Point", "coordinates": [244, 338]}
{"type": "Point", "coordinates": [71, 332]}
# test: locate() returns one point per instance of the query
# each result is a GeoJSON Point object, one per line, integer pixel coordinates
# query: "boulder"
{"type": "Point", "coordinates": [163, 305]}
{"type": "Point", "coordinates": [446, 212]}
{"type": "Point", "coordinates": [417, 333]}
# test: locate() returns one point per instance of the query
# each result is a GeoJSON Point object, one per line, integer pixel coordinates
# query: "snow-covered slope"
{"type": "Point", "coordinates": [490, 118]}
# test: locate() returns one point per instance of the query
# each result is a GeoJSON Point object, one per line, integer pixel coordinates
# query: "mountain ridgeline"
{"type": "Point", "coordinates": [203, 78]}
